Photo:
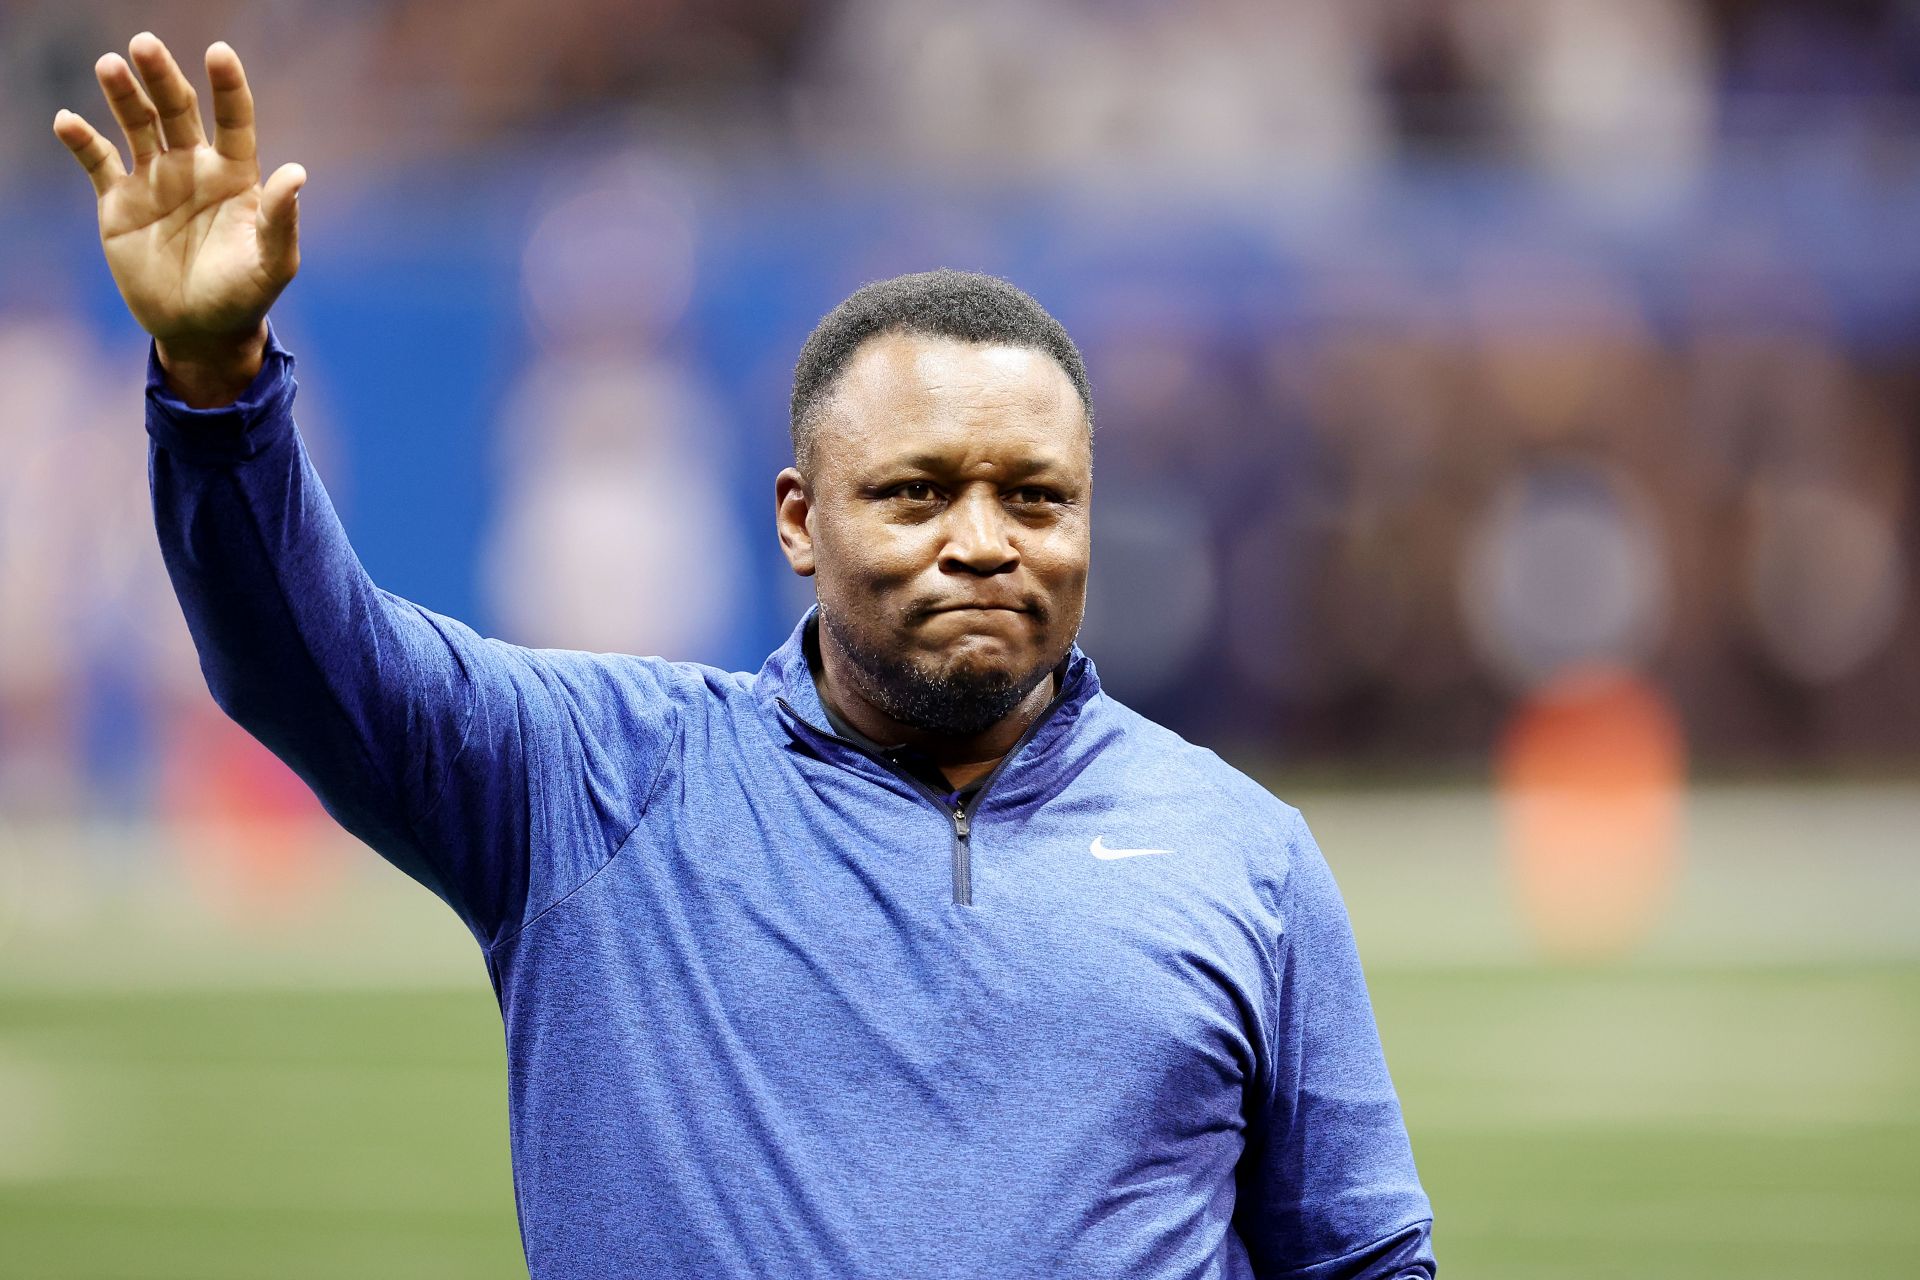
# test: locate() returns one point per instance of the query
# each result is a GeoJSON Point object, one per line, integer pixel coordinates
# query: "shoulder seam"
{"type": "Point", "coordinates": [613, 855]}
{"type": "Point", "coordinates": [473, 714]}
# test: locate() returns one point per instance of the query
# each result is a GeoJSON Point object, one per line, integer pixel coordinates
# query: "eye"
{"type": "Point", "coordinates": [1032, 495]}
{"type": "Point", "coordinates": [915, 491]}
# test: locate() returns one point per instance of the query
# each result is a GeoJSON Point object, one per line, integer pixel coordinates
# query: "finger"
{"type": "Point", "coordinates": [232, 103]}
{"type": "Point", "coordinates": [172, 95]}
{"type": "Point", "coordinates": [279, 222]}
{"type": "Point", "coordinates": [131, 107]}
{"type": "Point", "coordinates": [95, 154]}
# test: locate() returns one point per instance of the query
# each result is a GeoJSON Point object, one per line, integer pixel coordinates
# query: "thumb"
{"type": "Point", "coordinates": [278, 223]}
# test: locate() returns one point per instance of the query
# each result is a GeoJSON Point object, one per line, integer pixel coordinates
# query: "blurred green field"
{"type": "Point", "coordinates": [326, 1097]}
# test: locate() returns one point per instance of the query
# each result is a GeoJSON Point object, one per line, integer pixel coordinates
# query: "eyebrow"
{"type": "Point", "coordinates": [1019, 469]}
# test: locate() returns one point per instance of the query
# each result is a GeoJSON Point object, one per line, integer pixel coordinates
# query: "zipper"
{"type": "Point", "coordinates": [962, 858]}
{"type": "Point", "coordinates": [959, 816]}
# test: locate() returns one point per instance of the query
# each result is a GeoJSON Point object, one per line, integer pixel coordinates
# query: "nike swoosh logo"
{"type": "Point", "coordinates": [1099, 850]}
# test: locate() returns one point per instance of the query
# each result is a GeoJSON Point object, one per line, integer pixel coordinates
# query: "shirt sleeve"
{"type": "Point", "coordinates": [441, 749]}
{"type": "Point", "coordinates": [1327, 1188]}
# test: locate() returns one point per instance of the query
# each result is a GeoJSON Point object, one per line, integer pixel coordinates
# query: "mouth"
{"type": "Point", "coordinates": [977, 608]}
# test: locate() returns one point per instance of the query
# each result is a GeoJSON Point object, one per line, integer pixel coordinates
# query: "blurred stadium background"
{"type": "Point", "coordinates": [1507, 449]}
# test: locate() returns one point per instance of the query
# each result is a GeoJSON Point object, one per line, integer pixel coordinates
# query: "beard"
{"type": "Point", "coordinates": [949, 703]}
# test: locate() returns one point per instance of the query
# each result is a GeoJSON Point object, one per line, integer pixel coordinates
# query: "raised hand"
{"type": "Point", "coordinates": [199, 247]}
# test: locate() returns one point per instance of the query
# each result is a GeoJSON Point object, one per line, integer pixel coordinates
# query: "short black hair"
{"type": "Point", "coordinates": [965, 305]}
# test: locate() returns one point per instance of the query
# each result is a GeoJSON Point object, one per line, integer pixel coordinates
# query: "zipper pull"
{"type": "Point", "coordinates": [961, 825]}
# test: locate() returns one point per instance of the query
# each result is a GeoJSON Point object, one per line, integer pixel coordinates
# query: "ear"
{"type": "Point", "coordinates": [792, 520]}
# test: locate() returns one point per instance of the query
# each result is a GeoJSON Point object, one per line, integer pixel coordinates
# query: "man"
{"type": "Point", "coordinates": [913, 954]}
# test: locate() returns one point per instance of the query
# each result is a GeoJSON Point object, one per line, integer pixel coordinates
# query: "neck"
{"type": "Point", "coordinates": [962, 759]}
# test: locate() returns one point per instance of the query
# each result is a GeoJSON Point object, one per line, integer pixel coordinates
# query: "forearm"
{"type": "Point", "coordinates": [353, 688]}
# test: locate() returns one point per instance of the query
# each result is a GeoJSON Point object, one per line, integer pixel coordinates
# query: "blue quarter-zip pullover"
{"type": "Point", "coordinates": [772, 1008]}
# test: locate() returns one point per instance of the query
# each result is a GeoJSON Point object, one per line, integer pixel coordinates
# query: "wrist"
{"type": "Point", "coordinates": [211, 373]}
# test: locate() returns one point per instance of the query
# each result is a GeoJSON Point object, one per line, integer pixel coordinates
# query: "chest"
{"type": "Point", "coordinates": [1115, 954]}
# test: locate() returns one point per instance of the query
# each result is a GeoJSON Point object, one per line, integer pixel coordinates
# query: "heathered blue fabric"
{"type": "Point", "coordinates": [749, 1030]}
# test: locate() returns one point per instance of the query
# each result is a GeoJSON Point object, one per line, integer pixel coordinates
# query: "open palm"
{"type": "Point", "coordinates": [198, 246]}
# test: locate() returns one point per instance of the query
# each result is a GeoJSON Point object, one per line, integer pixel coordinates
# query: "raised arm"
{"type": "Point", "coordinates": [442, 750]}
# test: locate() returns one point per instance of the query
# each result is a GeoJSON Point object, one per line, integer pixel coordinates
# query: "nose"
{"type": "Point", "coordinates": [978, 541]}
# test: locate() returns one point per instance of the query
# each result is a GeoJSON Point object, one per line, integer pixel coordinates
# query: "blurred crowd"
{"type": "Point", "coordinates": [1422, 497]}
{"type": "Point", "coordinates": [1444, 349]}
{"type": "Point", "coordinates": [1631, 90]}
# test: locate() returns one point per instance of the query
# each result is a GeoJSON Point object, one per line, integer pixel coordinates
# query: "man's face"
{"type": "Point", "coordinates": [946, 525]}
